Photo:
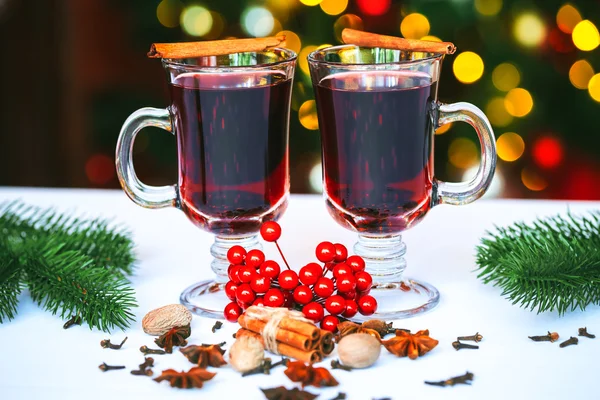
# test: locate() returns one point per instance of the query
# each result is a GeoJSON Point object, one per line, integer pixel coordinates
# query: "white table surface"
{"type": "Point", "coordinates": [38, 359]}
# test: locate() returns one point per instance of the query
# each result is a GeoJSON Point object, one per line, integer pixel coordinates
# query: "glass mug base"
{"type": "Point", "coordinates": [206, 299]}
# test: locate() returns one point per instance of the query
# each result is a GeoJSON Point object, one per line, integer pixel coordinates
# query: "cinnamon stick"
{"type": "Point", "coordinates": [367, 39]}
{"type": "Point", "coordinates": [312, 356]}
{"type": "Point", "coordinates": [326, 346]}
{"type": "Point", "coordinates": [213, 47]}
{"type": "Point", "coordinates": [293, 339]}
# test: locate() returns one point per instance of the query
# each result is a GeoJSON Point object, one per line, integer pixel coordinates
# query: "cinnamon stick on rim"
{"type": "Point", "coordinates": [360, 38]}
{"type": "Point", "coordinates": [213, 47]}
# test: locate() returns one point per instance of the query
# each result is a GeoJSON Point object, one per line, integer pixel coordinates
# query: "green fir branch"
{"type": "Point", "coordinates": [10, 283]}
{"type": "Point", "coordinates": [551, 264]}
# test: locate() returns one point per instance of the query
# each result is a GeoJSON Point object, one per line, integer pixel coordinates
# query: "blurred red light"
{"type": "Point", "coordinates": [374, 7]}
{"type": "Point", "coordinates": [100, 169]}
{"type": "Point", "coordinates": [560, 41]}
{"type": "Point", "coordinates": [547, 152]}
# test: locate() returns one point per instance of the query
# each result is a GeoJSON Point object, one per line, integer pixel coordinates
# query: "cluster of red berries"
{"type": "Point", "coordinates": [256, 281]}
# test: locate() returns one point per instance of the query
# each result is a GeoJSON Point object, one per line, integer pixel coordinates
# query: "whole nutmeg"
{"type": "Point", "coordinates": [161, 320]}
{"type": "Point", "coordinates": [360, 350]}
{"type": "Point", "coordinates": [246, 353]}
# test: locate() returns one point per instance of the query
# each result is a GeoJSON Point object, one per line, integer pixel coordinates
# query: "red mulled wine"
{"type": "Point", "coordinates": [376, 131]}
{"type": "Point", "coordinates": [232, 139]}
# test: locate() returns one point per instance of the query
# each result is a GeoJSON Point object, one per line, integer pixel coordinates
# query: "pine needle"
{"type": "Point", "coordinates": [10, 286]}
{"type": "Point", "coordinates": [551, 264]}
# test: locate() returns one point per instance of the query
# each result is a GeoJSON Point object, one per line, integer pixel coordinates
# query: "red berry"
{"type": "Point", "coordinates": [259, 301]}
{"type": "Point", "coordinates": [330, 323]}
{"type": "Point", "coordinates": [324, 287]}
{"type": "Point", "coordinates": [254, 258]}
{"type": "Point", "coordinates": [260, 284]}
{"type": "Point", "coordinates": [232, 312]}
{"type": "Point", "coordinates": [335, 305]}
{"type": "Point", "coordinates": [302, 294]}
{"type": "Point", "coordinates": [245, 294]}
{"type": "Point", "coordinates": [270, 231]}
{"type": "Point", "coordinates": [356, 263]}
{"type": "Point", "coordinates": [364, 281]}
{"type": "Point", "coordinates": [348, 295]}
{"type": "Point", "coordinates": [236, 254]}
{"type": "Point", "coordinates": [310, 273]}
{"type": "Point", "coordinates": [330, 265]}
{"type": "Point", "coordinates": [342, 269]}
{"type": "Point", "coordinates": [274, 298]}
{"type": "Point", "coordinates": [367, 305]}
{"type": "Point", "coordinates": [351, 309]}
{"type": "Point", "coordinates": [232, 273]}
{"type": "Point", "coordinates": [230, 288]}
{"type": "Point", "coordinates": [313, 311]}
{"type": "Point", "coordinates": [346, 284]}
{"type": "Point", "coordinates": [341, 252]}
{"type": "Point", "coordinates": [325, 252]}
{"type": "Point", "coordinates": [270, 269]}
{"type": "Point", "coordinates": [288, 279]}
{"type": "Point", "coordinates": [246, 273]}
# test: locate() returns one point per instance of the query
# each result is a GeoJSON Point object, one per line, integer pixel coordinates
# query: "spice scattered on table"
{"type": "Point", "coordinates": [247, 353]}
{"type": "Point", "coordinates": [218, 325]}
{"type": "Point", "coordinates": [550, 337]}
{"type": "Point", "coordinates": [335, 364]}
{"type": "Point", "coordinates": [307, 375]}
{"type": "Point", "coordinates": [474, 338]}
{"type": "Point", "coordinates": [161, 320]}
{"type": "Point", "coordinates": [465, 379]}
{"type": "Point", "coordinates": [174, 337]}
{"type": "Point", "coordinates": [146, 350]}
{"type": "Point", "coordinates": [410, 345]}
{"type": "Point", "coordinates": [360, 350]}
{"type": "Point", "coordinates": [144, 368]}
{"type": "Point", "coordinates": [458, 345]}
{"type": "Point", "coordinates": [205, 355]}
{"type": "Point", "coordinates": [105, 367]}
{"type": "Point", "coordinates": [194, 378]}
{"type": "Point", "coordinates": [108, 345]}
{"type": "Point", "coordinates": [281, 393]}
{"type": "Point", "coordinates": [75, 320]}
{"type": "Point", "coordinates": [571, 341]}
{"type": "Point", "coordinates": [584, 332]}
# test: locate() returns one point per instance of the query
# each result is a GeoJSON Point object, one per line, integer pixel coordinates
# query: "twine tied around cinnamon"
{"type": "Point", "coordinates": [273, 316]}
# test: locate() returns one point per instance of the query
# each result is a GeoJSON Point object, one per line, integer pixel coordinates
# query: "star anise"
{"type": "Point", "coordinates": [348, 328]}
{"type": "Point", "coordinates": [174, 337]}
{"type": "Point", "coordinates": [205, 355]}
{"type": "Point", "coordinates": [281, 393]}
{"type": "Point", "coordinates": [194, 378]}
{"type": "Point", "coordinates": [412, 345]}
{"type": "Point", "coordinates": [297, 371]}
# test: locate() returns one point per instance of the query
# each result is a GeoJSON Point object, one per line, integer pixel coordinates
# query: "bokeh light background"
{"type": "Point", "coordinates": [532, 66]}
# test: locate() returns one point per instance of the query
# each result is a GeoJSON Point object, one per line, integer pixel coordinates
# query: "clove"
{"type": "Point", "coordinates": [145, 367]}
{"type": "Point", "coordinates": [218, 325]}
{"type": "Point", "coordinates": [104, 367]}
{"type": "Point", "coordinates": [75, 320]}
{"type": "Point", "coordinates": [264, 368]}
{"type": "Point", "coordinates": [462, 379]}
{"type": "Point", "coordinates": [340, 396]}
{"type": "Point", "coordinates": [284, 361]}
{"type": "Point", "coordinates": [335, 364]}
{"type": "Point", "coordinates": [584, 332]}
{"type": "Point", "coordinates": [570, 341]}
{"type": "Point", "coordinates": [146, 372]}
{"type": "Point", "coordinates": [148, 362]}
{"type": "Point", "coordinates": [146, 350]}
{"type": "Point", "coordinates": [458, 345]}
{"type": "Point", "coordinates": [474, 338]}
{"type": "Point", "coordinates": [550, 337]}
{"type": "Point", "coordinates": [108, 345]}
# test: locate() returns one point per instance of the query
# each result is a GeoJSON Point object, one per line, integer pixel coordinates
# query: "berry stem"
{"type": "Point", "coordinates": [282, 256]}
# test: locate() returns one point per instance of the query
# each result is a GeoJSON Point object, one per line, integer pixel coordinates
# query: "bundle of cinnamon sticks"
{"type": "Point", "coordinates": [296, 339]}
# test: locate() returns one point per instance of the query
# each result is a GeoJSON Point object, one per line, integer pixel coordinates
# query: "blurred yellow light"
{"type": "Point", "coordinates": [414, 26]}
{"type": "Point", "coordinates": [196, 20]}
{"type": "Point", "coordinates": [168, 12]}
{"type": "Point", "coordinates": [580, 74]}
{"type": "Point", "coordinates": [302, 58]}
{"type": "Point", "coordinates": [496, 112]}
{"type": "Point", "coordinates": [299, 95]}
{"type": "Point", "coordinates": [567, 17]}
{"type": "Point", "coordinates": [518, 102]}
{"type": "Point", "coordinates": [307, 114]}
{"type": "Point", "coordinates": [463, 153]}
{"type": "Point", "coordinates": [217, 27]}
{"type": "Point", "coordinates": [276, 26]}
{"type": "Point", "coordinates": [431, 38]}
{"type": "Point", "coordinates": [334, 7]}
{"type": "Point", "coordinates": [532, 180]}
{"type": "Point", "coordinates": [594, 87]}
{"type": "Point", "coordinates": [443, 129]}
{"type": "Point", "coordinates": [292, 41]}
{"type": "Point", "coordinates": [324, 46]}
{"type": "Point", "coordinates": [488, 7]}
{"type": "Point", "coordinates": [281, 4]}
{"type": "Point", "coordinates": [505, 77]}
{"type": "Point", "coordinates": [310, 2]}
{"type": "Point", "coordinates": [586, 36]}
{"type": "Point", "coordinates": [347, 21]}
{"type": "Point", "coordinates": [510, 146]}
{"type": "Point", "coordinates": [468, 67]}
{"type": "Point", "coordinates": [258, 21]}
{"type": "Point", "coordinates": [529, 30]}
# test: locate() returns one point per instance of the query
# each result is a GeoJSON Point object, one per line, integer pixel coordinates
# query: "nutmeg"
{"type": "Point", "coordinates": [360, 350]}
{"type": "Point", "coordinates": [161, 320]}
{"type": "Point", "coordinates": [246, 353]}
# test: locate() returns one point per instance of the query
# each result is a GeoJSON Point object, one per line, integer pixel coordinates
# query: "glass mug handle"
{"type": "Point", "coordinates": [142, 194]}
{"type": "Point", "coordinates": [459, 193]}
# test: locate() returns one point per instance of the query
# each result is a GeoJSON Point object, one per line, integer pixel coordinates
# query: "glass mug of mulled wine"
{"type": "Point", "coordinates": [230, 117]}
{"type": "Point", "coordinates": [378, 111]}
